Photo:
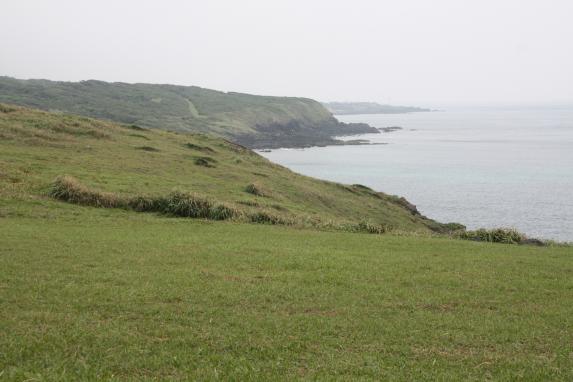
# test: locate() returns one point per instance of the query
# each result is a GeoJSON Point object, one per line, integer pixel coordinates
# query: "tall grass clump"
{"type": "Point", "coordinates": [148, 203]}
{"type": "Point", "coordinates": [224, 212]}
{"type": "Point", "coordinates": [368, 227]}
{"type": "Point", "coordinates": [266, 217]}
{"type": "Point", "coordinates": [496, 235]}
{"type": "Point", "coordinates": [148, 148]}
{"type": "Point", "coordinates": [195, 206]}
{"type": "Point", "coordinates": [6, 109]}
{"type": "Point", "coordinates": [205, 161]}
{"type": "Point", "coordinates": [256, 189]}
{"type": "Point", "coordinates": [68, 189]}
{"type": "Point", "coordinates": [198, 147]}
{"type": "Point", "coordinates": [188, 205]}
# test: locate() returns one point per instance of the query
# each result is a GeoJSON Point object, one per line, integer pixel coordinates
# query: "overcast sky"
{"type": "Point", "coordinates": [420, 52]}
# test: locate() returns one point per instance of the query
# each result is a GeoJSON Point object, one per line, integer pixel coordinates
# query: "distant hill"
{"type": "Point", "coordinates": [342, 108]}
{"type": "Point", "coordinates": [254, 121]}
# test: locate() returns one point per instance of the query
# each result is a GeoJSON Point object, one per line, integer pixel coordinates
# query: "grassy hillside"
{"type": "Point", "coordinates": [91, 293]}
{"type": "Point", "coordinates": [256, 121]}
{"type": "Point", "coordinates": [36, 147]}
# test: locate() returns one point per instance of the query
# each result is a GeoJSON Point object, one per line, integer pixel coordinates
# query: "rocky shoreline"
{"type": "Point", "coordinates": [299, 135]}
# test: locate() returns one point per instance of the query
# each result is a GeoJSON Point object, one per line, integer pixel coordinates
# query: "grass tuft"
{"type": "Point", "coordinates": [496, 235]}
{"type": "Point", "coordinates": [7, 109]}
{"type": "Point", "coordinates": [266, 217]}
{"type": "Point", "coordinates": [205, 161]}
{"type": "Point", "coordinates": [367, 227]}
{"type": "Point", "coordinates": [140, 136]}
{"type": "Point", "coordinates": [148, 148]}
{"type": "Point", "coordinates": [257, 190]}
{"type": "Point", "coordinates": [198, 147]}
{"type": "Point", "coordinates": [147, 204]}
{"type": "Point", "coordinates": [68, 189]}
{"type": "Point", "coordinates": [135, 127]}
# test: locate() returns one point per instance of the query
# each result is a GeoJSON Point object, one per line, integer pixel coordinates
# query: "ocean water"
{"type": "Point", "coordinates": [481, 168]}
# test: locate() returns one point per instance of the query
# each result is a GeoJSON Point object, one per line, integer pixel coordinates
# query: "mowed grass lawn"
{"type": "Point", "coordinates": [95, 294]}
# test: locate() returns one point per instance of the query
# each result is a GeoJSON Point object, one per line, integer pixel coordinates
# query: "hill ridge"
{"type": "Point", "coordinates": [252, 120]}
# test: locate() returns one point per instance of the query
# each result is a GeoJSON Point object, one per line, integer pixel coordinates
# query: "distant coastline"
{"type": "Point", "coordinates": [350, 108]}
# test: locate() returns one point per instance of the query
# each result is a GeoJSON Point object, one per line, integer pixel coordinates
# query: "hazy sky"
{"type": "Point", "coordinates": [423, 52]}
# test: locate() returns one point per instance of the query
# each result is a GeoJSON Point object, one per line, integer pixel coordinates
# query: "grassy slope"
{"type": "Point", "coordinates": [92, 294]}
{"type": "Point", "coordinates": [37, 146]}
{"type": "Point", "coordinates": [257, 120]}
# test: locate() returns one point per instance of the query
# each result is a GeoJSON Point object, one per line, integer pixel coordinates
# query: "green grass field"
{"type": "Point", "coordinates": [110, 294]}
{"type": "Point", "coordinates": [91, 294]}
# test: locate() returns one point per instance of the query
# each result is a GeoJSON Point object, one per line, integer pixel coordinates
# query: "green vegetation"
{"type": "Point", "coordinates": [109, 285]}
{"type": "Point", "coordinates": [256, 189]}
{"type": "Point", "coordinates": [255, 121]}
{"type": "Point", "coordinates": [499, 235]}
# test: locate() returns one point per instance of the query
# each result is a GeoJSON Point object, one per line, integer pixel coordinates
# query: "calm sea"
{"type": "Point", "coordinates": [482, 168]}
